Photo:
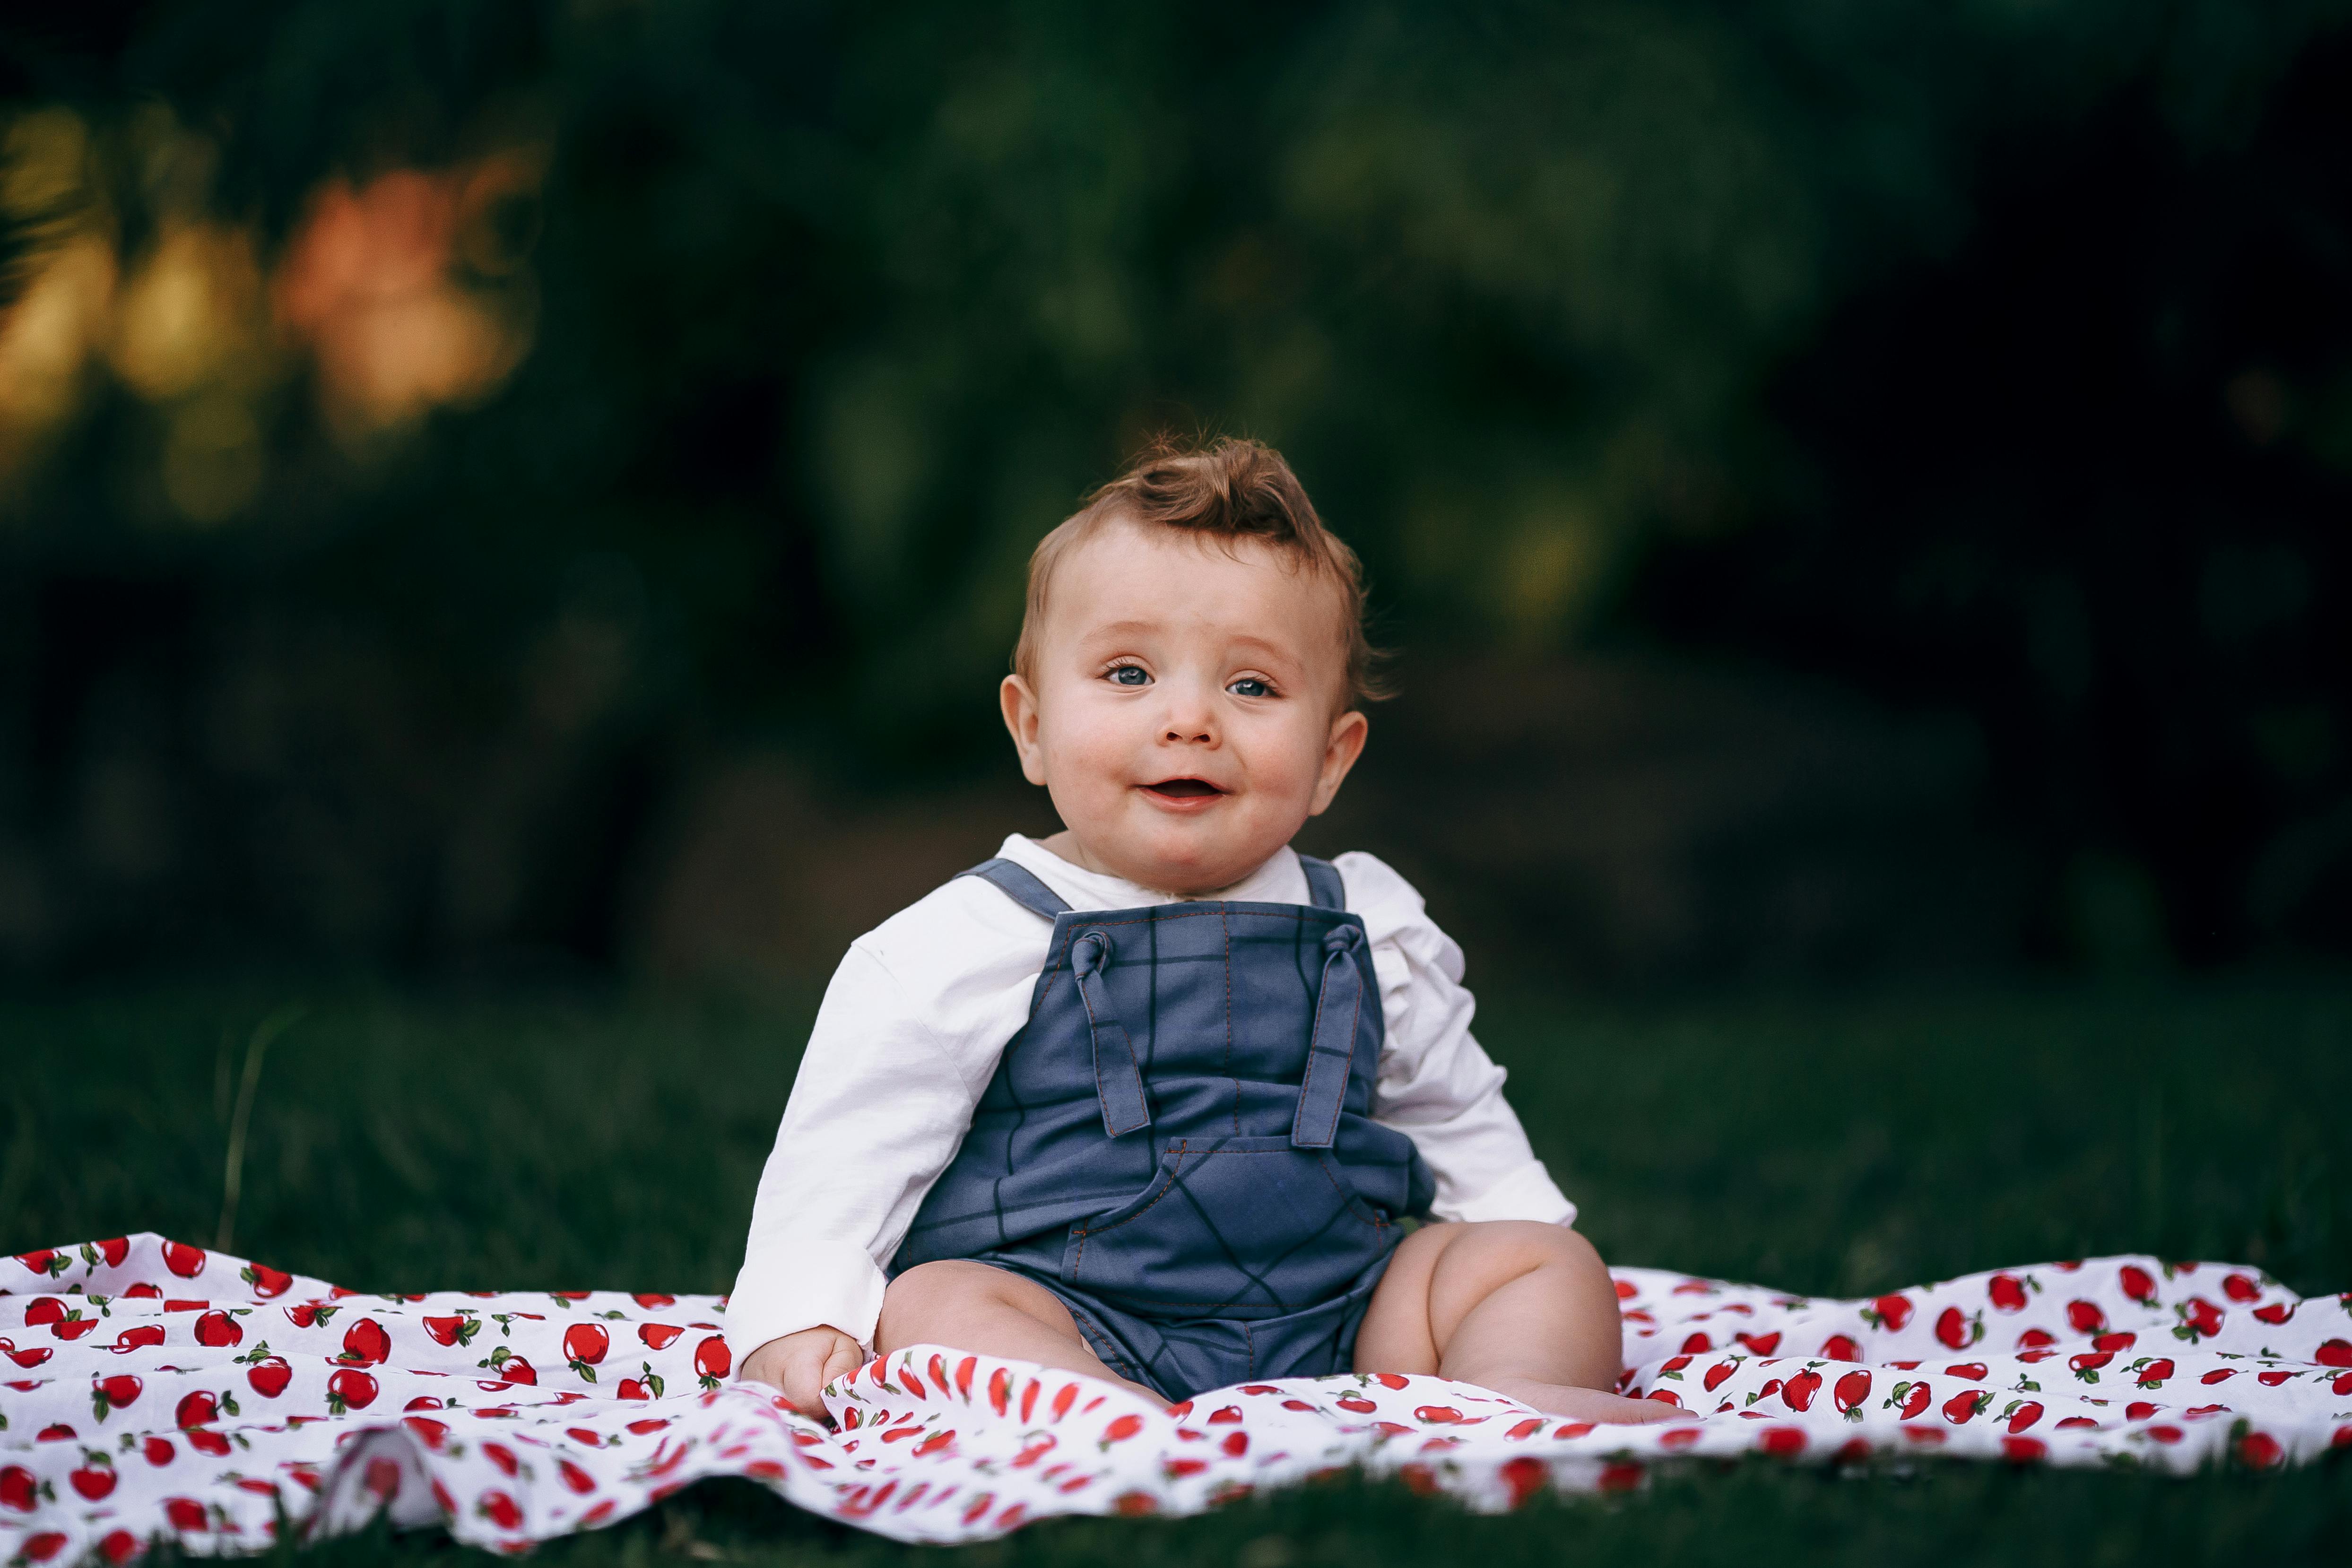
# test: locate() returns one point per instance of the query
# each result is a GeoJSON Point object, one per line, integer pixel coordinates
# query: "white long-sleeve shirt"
{"type": "Point", "coordinates": [922, 1006]}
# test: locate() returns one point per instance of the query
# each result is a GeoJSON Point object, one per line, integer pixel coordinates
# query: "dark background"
{"type": "Point", "coordinates": [521, 490]}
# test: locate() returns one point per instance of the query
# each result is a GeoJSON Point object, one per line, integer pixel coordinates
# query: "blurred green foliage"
{"type": "Point", "coordinates": [772, 336]}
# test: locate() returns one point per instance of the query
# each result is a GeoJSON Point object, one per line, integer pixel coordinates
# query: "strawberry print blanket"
{"type": "Point", "coordinates": [151, 1390]}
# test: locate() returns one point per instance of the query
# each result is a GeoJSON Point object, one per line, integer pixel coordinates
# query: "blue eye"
{"type": "Point", "coordinates": [1130, 675]}
{"type": "Point", "coordinates": [1250, 686]}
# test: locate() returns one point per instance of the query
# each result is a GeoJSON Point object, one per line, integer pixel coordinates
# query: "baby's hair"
{"type": "Point", "coordinates": [1222, 491]}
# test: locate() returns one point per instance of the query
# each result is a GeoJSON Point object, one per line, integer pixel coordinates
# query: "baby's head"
{"type": "Point", "coordinates": [1188, 675]}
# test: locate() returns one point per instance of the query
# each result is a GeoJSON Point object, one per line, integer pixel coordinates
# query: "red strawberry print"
{"type": "Point", "coordinates": [365, 1343]}
{"type": "Point", "coordinates": [196, 1409]}
{"type": "Point", "coordinates": [1118, 1431]}
{"type": "Point", "coordinates": [42, 1547]}
{"type": "Point", "coordinates": [267, 1282]}
{"type": "Point", "coordinates": [2086, 1366]}
{"type": "Point", "coordinates": [1626, 1289]}
{"type": "Point", "coordinates": [2136, 1283]}
{"type": "Point", "coordinates": [42, 1311]}
{"type": "Point", "coordinates": [205, 1441]}
{"type": "Point", "coordinates": [1798, 1393]}
{"type": "Point", "coordinates": [2034, 1339]}
{"type": "Point", "coordinates": [2114, 1340]}
{"type": "Point", "coordinates": [457, 1329]}
{"type": "Point", "coordinates": [114, 1393]}
{"type": "Point", "coordinates": [1889, 1312]}
{"type": "Point", "coordinates": [1962, 1407]}
{"type": "Point", "coordinates": [2152, 1373]}
{"type": "Point", "coordinates": [303, 1314]}
{"type": "Point", "coordinates": [1761, 1343]}
{"type": "Point", "coordinates": [2023, 1415]}
{"type": "Point", "coordinates": [2006, 1292]}
{"type": "Point", "coordinates": [17, 1487]}
{"type": "Point", "coordinates": [430, 1432]}
{"type": "Point", "coordinates": [584, 1346]}
{"type": "Point", "coordinates": [1957, 1330]}
{"type": "Point", "coordinates": [2334, 1352]}
{"type": "Point", "coordinates": [73, 1325]}
{"type": "Point", "coordinates": [1525, 1476]}
{"type": "Point", "coordinates": [138, 1338]}
{"type": "Point", "coordinates": [95, 1479]}
{"type": "Point", "coordinates": [1838, 1347]}
{"type": "Point", "coordinates": [1909, 1400]}
{"type": "Point", "coordinates": [183, 1259]}
{"type": "Point", "coordinates": [2199, 1319]}
{"type": "Point", "coordinates": [1390, 1379]}
{"type": "Point", "coordinates": [1850, 1393]}
{"type": "Point", "coordinates": [500, 1510]}
{"type": "Point", "coordinates": [1356, 1405]}
{"type": "Point", "coordinates": [184, 1512]}
{"type": "Point", "coordinates": [2238, 1288]}
{"type": "Point", "coordinates": [1715, 1378]}
{"type": "Point", "coordinates": [630, 1389]}
{"type": "Point", "coordinates": [1431, 1415]}
{"type": "Point", "coordinates": [57, 1433]}
{"type": "Point", "coordinates": [159, 1451]}
{"type": "Point", "coordinates": [2084, 1317]}
{"type": "Point", "coordinates": [2024, 1450]}
{"type": "Point", "coordinates": [2138, 1410]}
{"type": "Point", "coordinates": [1697, 1344]}
{"type": "Point", "coordinates": [218, 1329]}
{"type": "Point", "coordinates": [270, 1376]}
{"type": "Point", "coordinates": [350, 1389]}
{"type": "Point", "coordinates": [658, 1336]}
{"type": "Point", "coordinates": [1973, 1371]}
{"type": "Point", "coordinates": [653, 1300]}
{"type": "Point", "coordinates": [2260, 1450]}
{"type": "Point", "coordinates": [712, 1361]}
{"type": "Point", "coordinates": [47, 1262]}
{"type": "Point", "coordinates": [27, 1358]}
{"type": "Point", "coordinates": [575, 1478]}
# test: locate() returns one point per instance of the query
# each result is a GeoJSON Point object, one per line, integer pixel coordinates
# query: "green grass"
{"type": "Point", "coordinates": [408, 1143]}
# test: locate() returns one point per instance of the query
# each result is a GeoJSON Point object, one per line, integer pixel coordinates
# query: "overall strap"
{"type": "Point", "coordinates": [1118, 1081]}
{"type": "Point", "coordinates": [1324, 889]}
{"type": "Point", "coordinates": [1331, 1051]}
{"type": "Point", "coordinates": [1019, 884]}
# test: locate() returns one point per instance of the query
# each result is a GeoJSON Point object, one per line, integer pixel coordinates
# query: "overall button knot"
{"type": "Point", "coordinates": [1343, 939]}
{"type": "Point", "coordinates": [1091, 951]}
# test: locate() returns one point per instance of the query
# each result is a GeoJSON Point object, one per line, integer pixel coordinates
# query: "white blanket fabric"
{"type": "Point", "coordinates": [151, 1389]}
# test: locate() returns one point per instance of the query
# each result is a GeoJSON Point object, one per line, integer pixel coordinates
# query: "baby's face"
{"type": "Point", "coordinates": [1183, 711]}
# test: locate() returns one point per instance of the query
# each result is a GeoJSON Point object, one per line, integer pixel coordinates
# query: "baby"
{"type": "Point", "coordinates": [1151, 1098]}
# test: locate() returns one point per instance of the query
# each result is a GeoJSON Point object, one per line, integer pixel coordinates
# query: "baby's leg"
{"type": "Point", "coordinates": [975, 1307]}
{"type": "Point", "coordinates": [1524, 1309]}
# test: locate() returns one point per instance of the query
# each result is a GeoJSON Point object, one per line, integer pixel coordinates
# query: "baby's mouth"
{"type": "Point", "coordinates": [1183, 790]}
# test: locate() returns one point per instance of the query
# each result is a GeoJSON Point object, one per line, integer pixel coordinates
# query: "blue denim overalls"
{"type": "Point", "coordinates": [1179, 1143]}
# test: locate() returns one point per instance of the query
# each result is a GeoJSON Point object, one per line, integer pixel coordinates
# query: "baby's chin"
{"type": "Point", "coordinates": [1192, 857]}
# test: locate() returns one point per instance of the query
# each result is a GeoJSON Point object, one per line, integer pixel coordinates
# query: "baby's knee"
{"type": "Point", "coordinates": [921, 1303]}
{"type": "Point", "coordinates": [1523, 1245]}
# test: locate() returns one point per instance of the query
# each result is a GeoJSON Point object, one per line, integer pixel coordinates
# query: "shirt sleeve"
{"type": "Point", "coordinates": [1436, 1085]}
{"type": "Point", "coordinates": [877, 1112]}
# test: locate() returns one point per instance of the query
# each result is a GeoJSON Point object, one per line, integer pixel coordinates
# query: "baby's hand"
{"type": "Point", "coordinates": [803, 1364]}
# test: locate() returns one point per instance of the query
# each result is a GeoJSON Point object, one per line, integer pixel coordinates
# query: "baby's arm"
{"type": "Point", "coordinates": [875, 1113]}
{"type": "Point", "coordinates": [1436, 1085]}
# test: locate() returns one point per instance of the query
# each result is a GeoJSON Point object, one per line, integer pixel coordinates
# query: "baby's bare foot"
{"type": "Point", "coordinates": [1585, 1404]}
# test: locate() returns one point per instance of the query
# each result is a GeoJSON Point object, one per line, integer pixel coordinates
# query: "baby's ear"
{"type": "Point", "coordinates": [1019, 702]}
{"type": "Point", "coordinates": [1345, 745]}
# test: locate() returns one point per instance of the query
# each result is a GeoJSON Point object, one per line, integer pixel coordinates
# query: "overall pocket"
{"type": "Point", "coordinates": [1232, 1228]}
